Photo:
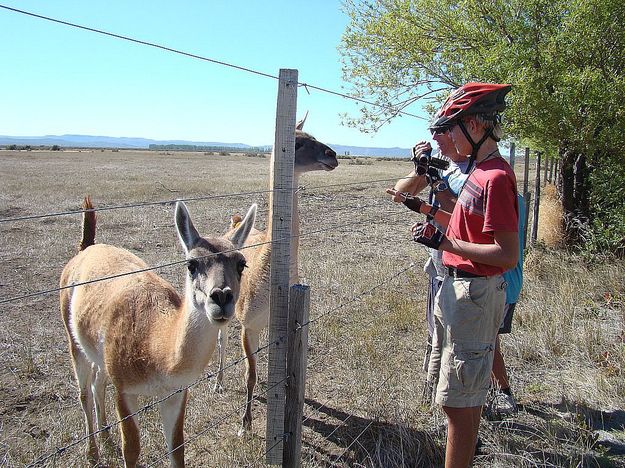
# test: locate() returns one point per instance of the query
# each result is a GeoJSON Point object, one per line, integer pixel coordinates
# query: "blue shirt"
{"type": "Point", "coordinates": [514, 277]}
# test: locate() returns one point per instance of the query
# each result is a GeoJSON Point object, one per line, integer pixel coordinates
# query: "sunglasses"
{"type": "Point", "coordinates": [440, 131]}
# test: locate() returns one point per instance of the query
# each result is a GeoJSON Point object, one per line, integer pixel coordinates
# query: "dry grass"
{"type": "Point", "coordinates": [566, 354]}
{"type": "Point", "coordinates": [550, 229]}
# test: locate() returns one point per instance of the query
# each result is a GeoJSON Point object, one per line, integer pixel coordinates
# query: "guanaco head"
{"type": "Point", "coordinates": [214, 266]}
{"type": "Point", "coordinates": [310, 154]}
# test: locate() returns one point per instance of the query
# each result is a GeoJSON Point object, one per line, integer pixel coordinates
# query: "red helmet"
{"type": "Point", "coordinates": [471, 98]}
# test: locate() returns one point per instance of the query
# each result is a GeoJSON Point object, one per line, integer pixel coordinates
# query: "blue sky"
{"type": "Point", "coordinates": [57, 80]}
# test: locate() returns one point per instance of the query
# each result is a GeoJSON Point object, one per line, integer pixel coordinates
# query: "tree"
{"type": "Point", "coordinates": [565, 60]}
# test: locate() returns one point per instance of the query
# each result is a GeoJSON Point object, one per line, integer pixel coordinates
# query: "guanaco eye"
{"type": "Point", "coordinates": [241, 266]}
{"type": "Point", "coordinates": [192, 266]}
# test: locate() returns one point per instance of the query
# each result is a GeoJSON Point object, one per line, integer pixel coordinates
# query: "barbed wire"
{"type": "Point", "coordinates": [135, 205]}
{"type": "Point", "coordinates": [208, 376]}
{"type": "Point", "coordinates": [307, 86]}
{"type": "Point", "coordinates": [336, 460]}
{"type": "Point", "coordinates": [149, 406]}
{"type": "Point", "coordinates": [197, 435]}
{"type": "Point", "coordinates": [170, 264]}
{"type": "Point", "coordinates": [371, 394]}
{"type": "Point", "coordinates": [188, 199]}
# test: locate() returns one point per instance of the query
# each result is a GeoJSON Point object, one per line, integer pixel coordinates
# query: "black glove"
{"type": "Point", "coordinates": [413, 203]}
{"type": "Point", "coordinates": [432, 175]}
{"type": "Point", "coordinates": [428, 235]}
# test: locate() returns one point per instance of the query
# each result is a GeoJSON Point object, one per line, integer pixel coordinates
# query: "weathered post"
{"type": "Point", "coordinates": [546, 169]}
{"type": "Point", "coordinates": [526, 170]}
{"type": "Point", "coordinates": [282, 173]}
{"type": "Point", "coordinates": [527, 198]}
{"type": "Point", "coordinates": [526, 195]}
{"type": "Point", "coordinates": [551, 163]}
{"type": "Point", "coordinates": [512, 155]}
{"type": "Point", "coordinates": [536, 200]}
{"type": "Point", "coordinates": [297, 357]}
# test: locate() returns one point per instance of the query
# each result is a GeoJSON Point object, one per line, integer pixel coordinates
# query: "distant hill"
{"type": "Point", "coordinates": [90, 141]}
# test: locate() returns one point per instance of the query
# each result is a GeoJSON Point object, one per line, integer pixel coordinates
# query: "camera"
{"type": "Point", "coordinates": [425, 162]}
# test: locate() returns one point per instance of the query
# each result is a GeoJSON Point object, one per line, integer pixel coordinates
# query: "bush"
{"type": "Point", "coordinates": [606, 232]}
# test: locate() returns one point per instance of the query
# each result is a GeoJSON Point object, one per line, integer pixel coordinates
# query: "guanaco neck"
{"type": "Point", "coordinates": [191, 331]}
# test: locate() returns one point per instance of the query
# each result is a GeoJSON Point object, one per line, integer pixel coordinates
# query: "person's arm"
{"type": "Point", "coordinates": [441, 216]}
{"type": "Point", "coordinates": [446, 199]}
{"type": "Point", "coordinates": [503, 253]}
{"type": "Point", "coordinates": [411, 184]}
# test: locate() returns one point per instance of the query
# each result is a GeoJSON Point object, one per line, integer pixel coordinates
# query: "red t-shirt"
{"type": "Point", "coordinates": [487, 203]}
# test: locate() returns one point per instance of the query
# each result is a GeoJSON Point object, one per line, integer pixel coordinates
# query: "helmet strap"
{"type": "Point", "coordinates": [475, 146]}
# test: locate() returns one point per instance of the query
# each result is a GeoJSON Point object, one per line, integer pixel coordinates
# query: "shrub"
{"type": "Point", "coordinates": [606, 232]}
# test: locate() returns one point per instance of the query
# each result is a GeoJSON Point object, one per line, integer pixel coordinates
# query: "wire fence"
{"type": "Point", "coordinates": [389, 215]}
{"type": "Point", "coordinates": [307, 86]}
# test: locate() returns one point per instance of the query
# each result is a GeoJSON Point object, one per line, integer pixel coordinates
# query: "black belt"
{"type": "Point", "coordinates": [456, 273]}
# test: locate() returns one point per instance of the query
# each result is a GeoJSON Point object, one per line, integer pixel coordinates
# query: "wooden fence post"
{"type": "Point", "coordinates": [546, 169]}
{"type": "Point", "coordinates": [512, 155]}
{"type": "Point", "coordinates": [284, 152]}
{"type": "Point", "coordinates": [555, 171]}
{"type": "Point", "coordinates": [536, 201]}
{"type": "Point", "coordinates": [526, 169]}
{"type": "Point", "coordinates": [297, 358]}
{"type": "Point", "coordinates": [527, 198]}
{"type": "Point", "coordinates": [551, 163]}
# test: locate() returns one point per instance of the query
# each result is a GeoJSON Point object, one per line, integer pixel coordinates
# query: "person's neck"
{"type": "Point", "coordinates": [487, 151]}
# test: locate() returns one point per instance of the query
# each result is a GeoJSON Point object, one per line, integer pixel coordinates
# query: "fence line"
{"type": "Point", "coordinates": [187, 199]}
{"type": "Point", "coordinates": [147, 407]}
{"type": "Point", "coordinates": [207, 377]}
{"type": "Point", "coordinates": [197, 435]}
{"type": "Point", "coordinates": [179, 262]}
{"type": "Point", "coordinates": [62, 450]}
{"type": "Point", "coordinates": [205, 59]}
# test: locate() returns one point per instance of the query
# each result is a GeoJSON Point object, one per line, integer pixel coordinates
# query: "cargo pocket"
{"type": "Point", "coordinates": [473, 363]}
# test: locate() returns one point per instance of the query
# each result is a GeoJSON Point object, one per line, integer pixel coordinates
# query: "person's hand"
{"type": "Point", "coordinates": [428, 235]}
{"type": "Point", "coordinates": [420, 148]}
{"type": "Point", "coordinates": [432, 175]}
{"type": "Point", "coordinates": [413, 203]}
{"type": "Point", "coordinates": [397, 197]}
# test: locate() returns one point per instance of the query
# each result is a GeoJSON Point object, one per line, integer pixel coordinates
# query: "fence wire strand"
{"type": "Point", "coordinates": [188, 199]}
{"type": "Point", "coordinates": [215, 424]}
{"type": "Point", "coordinates": [208, 376]}
{"type": "Point", "coordinates": [149, 406]}
{"type": "Point", "coordinates": [307, 86]}
{"type": "Point", "coordinates": [174, 263]}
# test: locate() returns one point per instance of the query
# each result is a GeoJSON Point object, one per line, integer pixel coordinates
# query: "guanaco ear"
{"type": "Point", "coordinates": [300, 124]}
{"type": "Point", "coordinates": [187, 233]}
{"type": "Point", "coordinates": [239, 236]}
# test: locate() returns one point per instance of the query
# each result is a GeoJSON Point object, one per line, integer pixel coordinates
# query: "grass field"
{"type": "Point", "coordinates": [566, 355]}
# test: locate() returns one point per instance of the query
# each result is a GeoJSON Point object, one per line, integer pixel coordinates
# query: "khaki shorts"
{"type": "Point", "coordinates": [467, 316]}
